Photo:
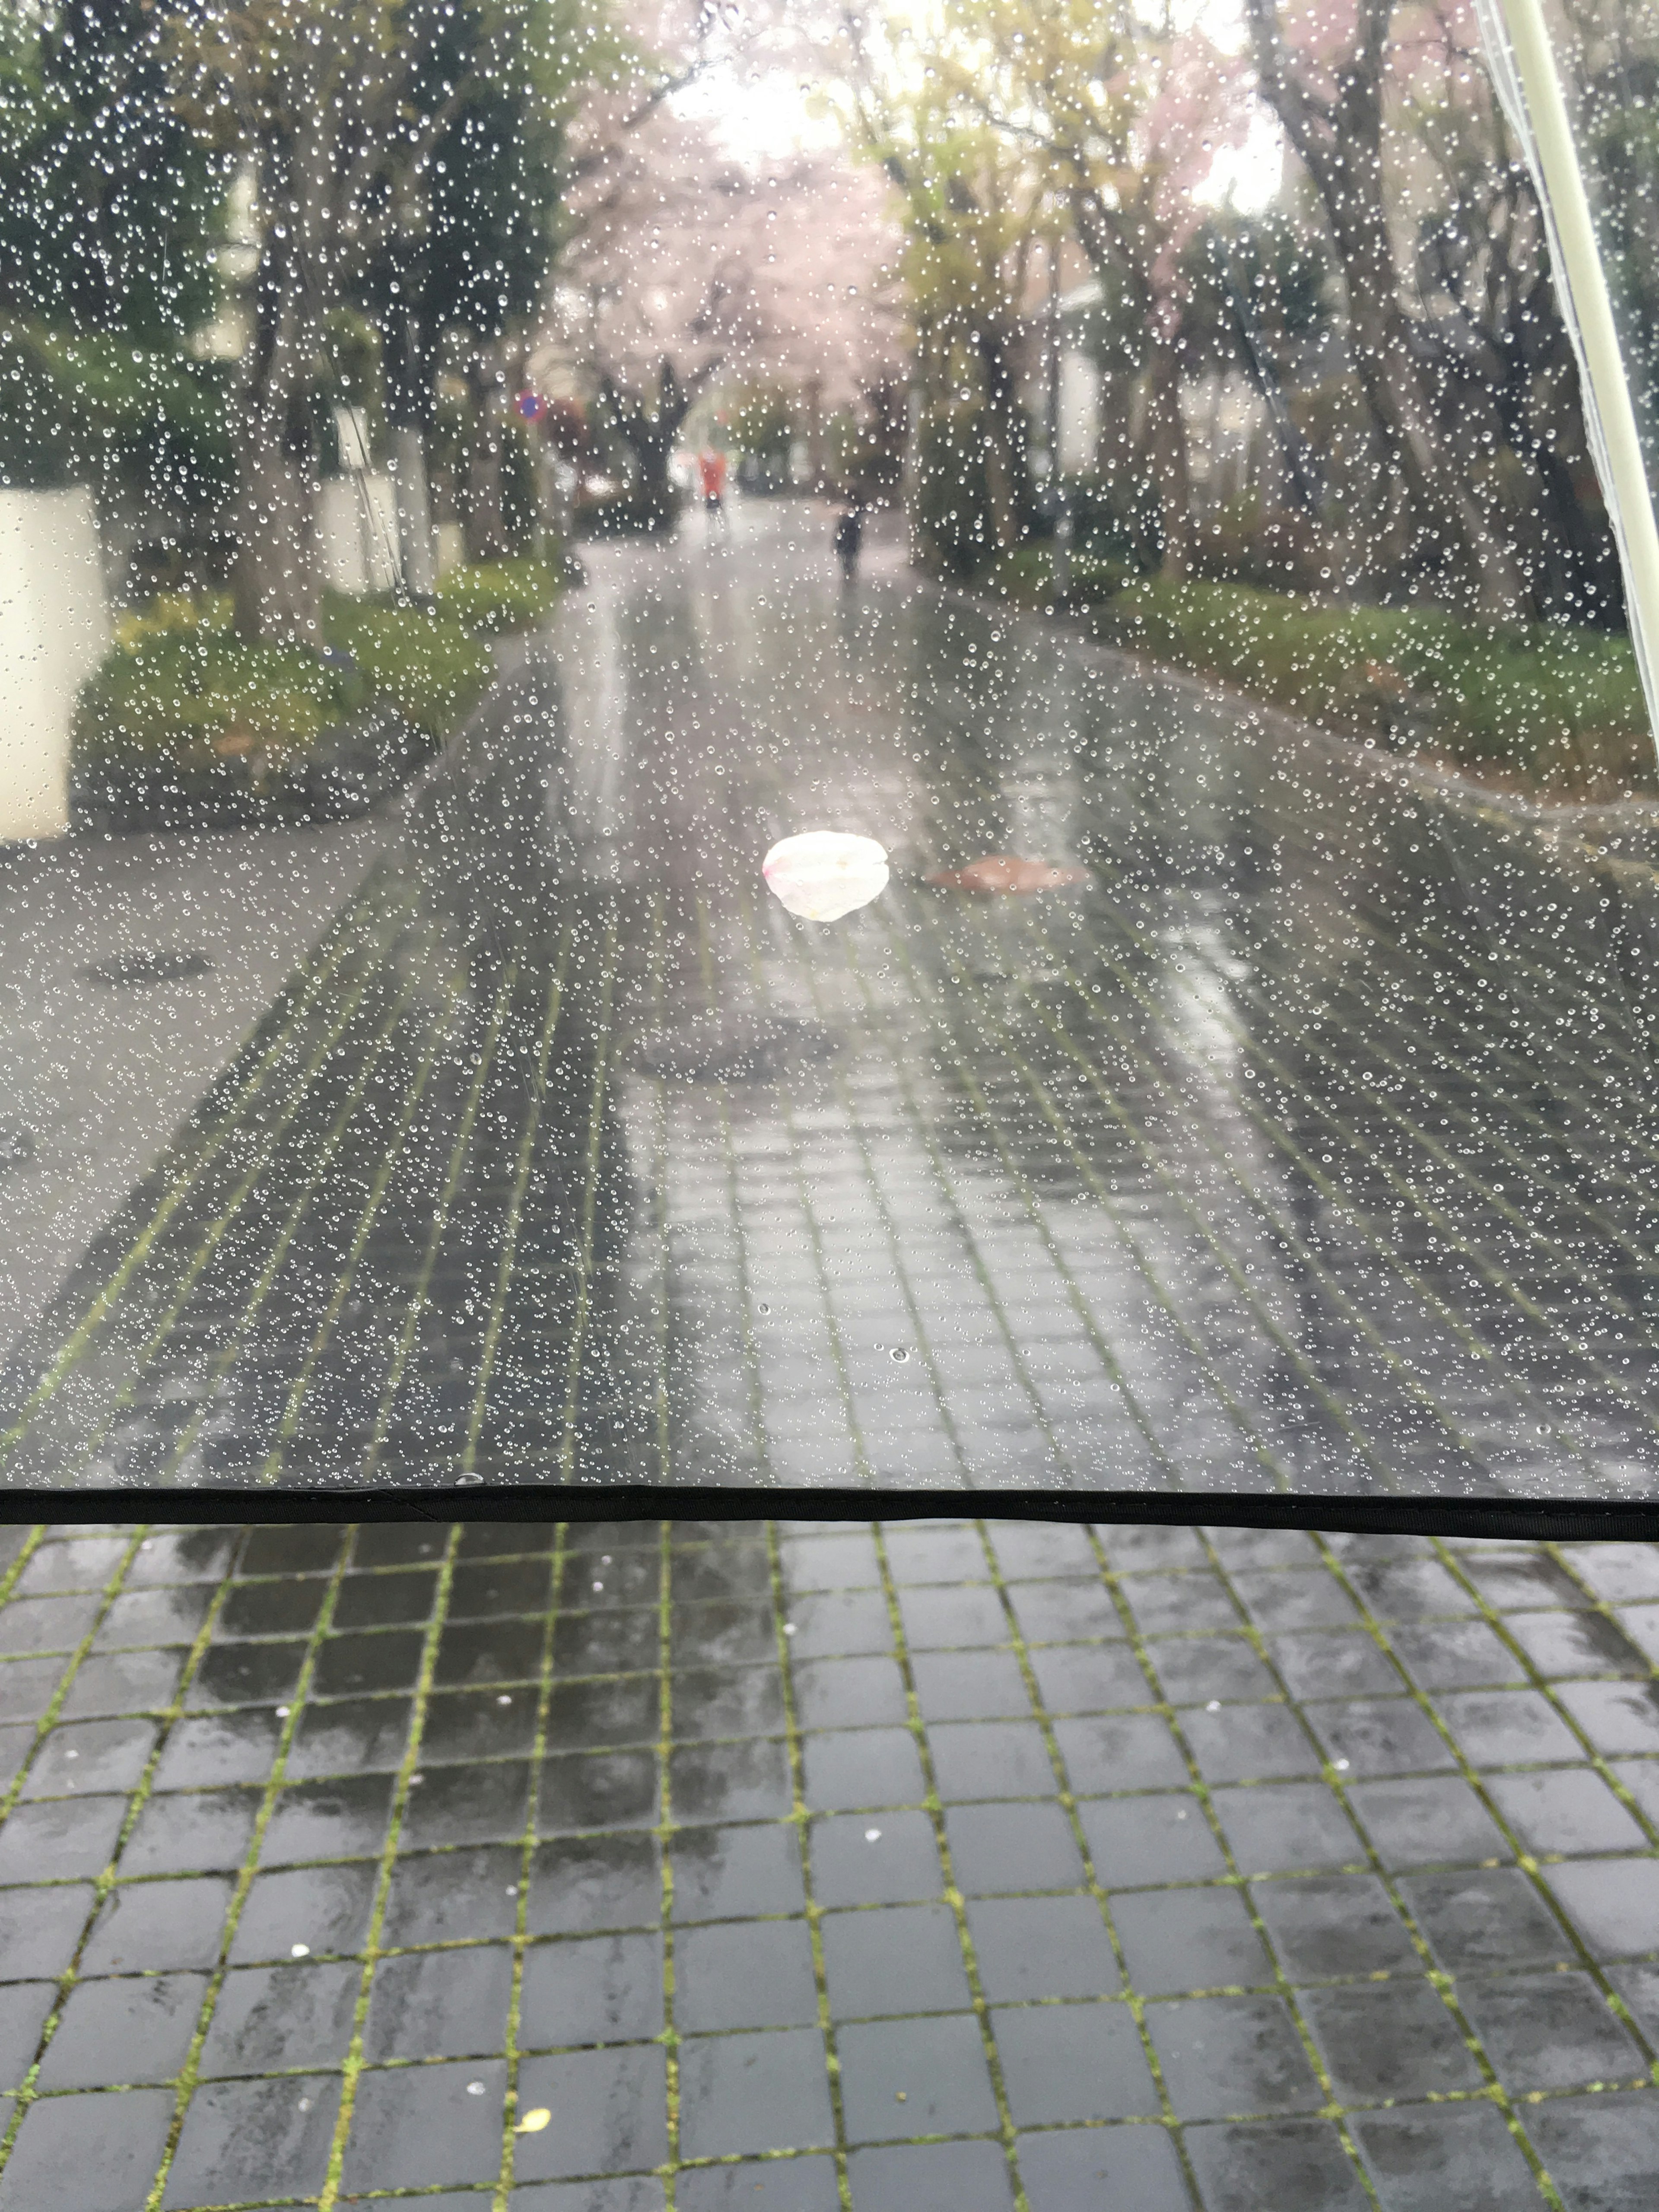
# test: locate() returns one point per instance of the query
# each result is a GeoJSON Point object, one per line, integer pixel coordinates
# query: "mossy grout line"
{"type": "Point", "coordinates": [799, 1814]}
{"type": "Point", "coordinates": [527, 1867]}
{"type": "Point", "coordinates": [352, 2066]}
{"type": "Point", "coordinates": [1444, 1984]}
{"type": "Point", "coordinates": [590, 1204]}
{"type": "Point", "coordinates": [953, 1896]}
{"type": "Point", "coordinates": [458, 1150]}
{"type": "Point", "coordinates": [267, 1276]}
{"type": "Point", "coordinates": [515, 1208]}
{"type": "Point", "coordinates": [1131, 1998]}
{"type": "Point", "coordinates": [187, 2075]}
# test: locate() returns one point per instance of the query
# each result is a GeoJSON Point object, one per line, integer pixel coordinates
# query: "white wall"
{"type": "Point", "coordinates": [357, 532]}
{"type": "Point", "coordinates": [54, 629]}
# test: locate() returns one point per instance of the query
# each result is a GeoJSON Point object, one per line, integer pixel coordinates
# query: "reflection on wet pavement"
{"type": "Point", "coordinates": [1308, 1143]}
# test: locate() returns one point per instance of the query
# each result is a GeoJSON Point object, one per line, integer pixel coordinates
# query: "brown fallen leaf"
{"type": "Point", "coordinates": [1001, 872]}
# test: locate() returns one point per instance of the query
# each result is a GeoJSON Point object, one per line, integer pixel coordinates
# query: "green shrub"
{"type": "Point", "coordinates": [491, 598]}
{"type": "Point", "coordinates": [1560, 707]}
{"type": "Point", "coordinates": [178, 684]}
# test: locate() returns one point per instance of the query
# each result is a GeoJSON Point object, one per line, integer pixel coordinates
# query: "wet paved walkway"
{"type": "Point", "coordinates": [950, 1867]}
{"type": "Point", "coordinates": [1310, 1145]}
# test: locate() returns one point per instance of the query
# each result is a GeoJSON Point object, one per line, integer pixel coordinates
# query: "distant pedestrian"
{"type": "Point", "coordinates": [711, 475]}
{"type": "Point", "coordinates": [849, 536]}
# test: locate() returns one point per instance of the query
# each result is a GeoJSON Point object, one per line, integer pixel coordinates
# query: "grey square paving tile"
{"type": "Point", "coordinates": [1250, 1743]}
{"type": "Point", "coordinates": [1285, 1826]}
{"type": "Point", "coordinates": [1089, 1678]}
{"type": "Point", "coordinates": [262, 1673]}
{"type": "Point", "coordinates": [710, 1702]}
{"type": "Point", "coordinates": [1486, 1919]}
{"type": "Point", "coordinates": [1641, 1777]}
{"type": "Point", "coordinates": [890, 1858]}
{"type": "Point", "coordinates": [131, 2029]}
{"type": "Point", "coordinates": [723, 1632]}
{"type": "Point", "coordinates": [590, 1882]}
{"type": "Point", "coordinates": [23, 2010]}
{"type": "Point", "coordinates": [1035, 1549]}
{"type": "Point", "coordinates": [1292, 2165]}
{"type": "Point", "coordinates": [1013, 1846]}
{"type": "Point", "coordinates": [1408, 1589]}
{"type": "Point", "coordinates": [930, 2177]}
{"type": "Point", "coordinates": [1031, 1948]}
{"type": "Point", "coordinates": [621, 1642]}
{"type": "Point", "coordinates": [51, 1624]}
{"type": "Point", "coordinates": [1570, 1810]}
{"type": "Point", "coordinates": [463, 1725]}
{"type": "Point", "coordinates": [604, 1715]}
{"type": "Point", "coordinates": [1618, 1717]}
{"type": "Point", "coordinates": [484, 1804]}
{"type": "Point", "coordinates": [87, 2154]}
{"type": "Point", "coordinates": [441, 2004]}
{"type": "Point", "coordinates": [1334, 1927]}
{"type": "Point", "coordinates": [1380, 1735]}
{"type": "Point", "coordinates": [941, 1552]}
{"type": "Point", "coordinates": [245, 2139]}
{"type": "Point", "coordinates": [1066, 1612]}
{"type": "Point", "coordinates": [936, 2066]}
{"type": "Point", "coordinates": [412, 2126]}
{"type": "Point", "coordinates": [1435, 1822]}
{"type": "Point", "coordinates": [844, 1622]}
{"type": "Point", "coordinates": [1425, 2159]}
{"type": "Point", "coordinates": [746, 1974]}
{"type": "Point", "coordinates": [857, 1693]}
{"type": "Point", "coordinates": [1563, 1645]}
{"type": "Point", "coordinates": [1241, 1549]}
{"type": "Point", "coordinates": [450, 1896]}
{"type": "Point", "coordinates": [772, 2184]}
{"type": "Point", "coordinates": [64, 1836]}
{"type": "Point", "coordinates": [1126, 1751]}
{"type": "Point", "coordinates": [1279, 1602]}
{"type": "Point", "coordinates": [1194, 1668]}
{"type": "Point", "coordinates": [1389, 2041]}
{"type": "Point", "coordinates": [751, 2093]}
{"type": "Point", "coordinates": [1072, 2062]}
{"type": "Point", "coordinates": [26, 1686]}
{"type": "Point", "coordinates": [264, 1609]}
{"type": "Point", "coordinates": [1318, 1663]}
{"type": "Point", "coordinates": [865, 1767]}
{"type": "Point", "coordinates": [1508, 1727]}
{"type": "Point", "coordinates": [1149, 1548]}
{"type": "Point", "coordinates": [970, 1686]}
{"type": "Point", "coordinates": [894, 1958]}
{"type": "Point", "coordinates": [270, 2017]}
{"type": "Point", "coordinates": [220, 1747]}
{"type": "Point", "coordinates": [940, 1618]}
{"type": "Point", "coordinates": [78, 1563]}
{"type": "Point", "coordinates": [124, 1682]}
{"type": "Point", "coordinates": [830, 1563]}
{"type": "Point", "coordinates": [1222, 2056]}
{"type": "Point", "coordinates": [1620, 1572]}
{"type": "Point", "coordinates": [721, 1873]}
{"type": "Point", "coordinates": [1603, 2153]}
{"type": "Point", "coordinates": [1157, 1839]}
{"type": "Point", "coordinates": [612, 2108]}
{"type": "Point", "coordinates": [596, 1790]}
{"type": "Point", "coordinates": [1456, 1655]}
{"type": "Point", "coordinates": [342, 1819]}
{"type": "Point", "coordinates": [322, 1908]}
{"type": "Point", "coordinates": [991, 1758]}
{"type": "Point", "coordinates": [1100, 2169]}
{"type": "Point", "coordinates": [1176, 1939]}
{"type": "Point", "coordinates": [1613, 1903]}
{"type": "Point", "coordinates": [1639, 1988]}
{"type": "Point", "coordinates": [40, 1928]}
{"type": "Point", "coordinates": [748, 1781]}
{"type": "Point", "coordinates": [148, 1925]}
{"type": "Point", "coordinates": [1550, 2032]}
{"type": "Point", "coordinates": [91, 1756]}
{"type": "Point", "coordinates": [1513, 1582]}
{"type": "Point", "coordinates": [179, 1831]}
{"type": "Point", "coordinates": [1193, 1600]}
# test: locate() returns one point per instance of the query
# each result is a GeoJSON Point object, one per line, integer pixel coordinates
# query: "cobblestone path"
{"type": "Point", "coordinates": [947, 1867]}
{"type": "Point", "coordinates": [1309, 1144]}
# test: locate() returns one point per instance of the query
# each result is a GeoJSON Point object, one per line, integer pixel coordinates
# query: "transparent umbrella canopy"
{"type": "Point", "coordinates": [885, 758]}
